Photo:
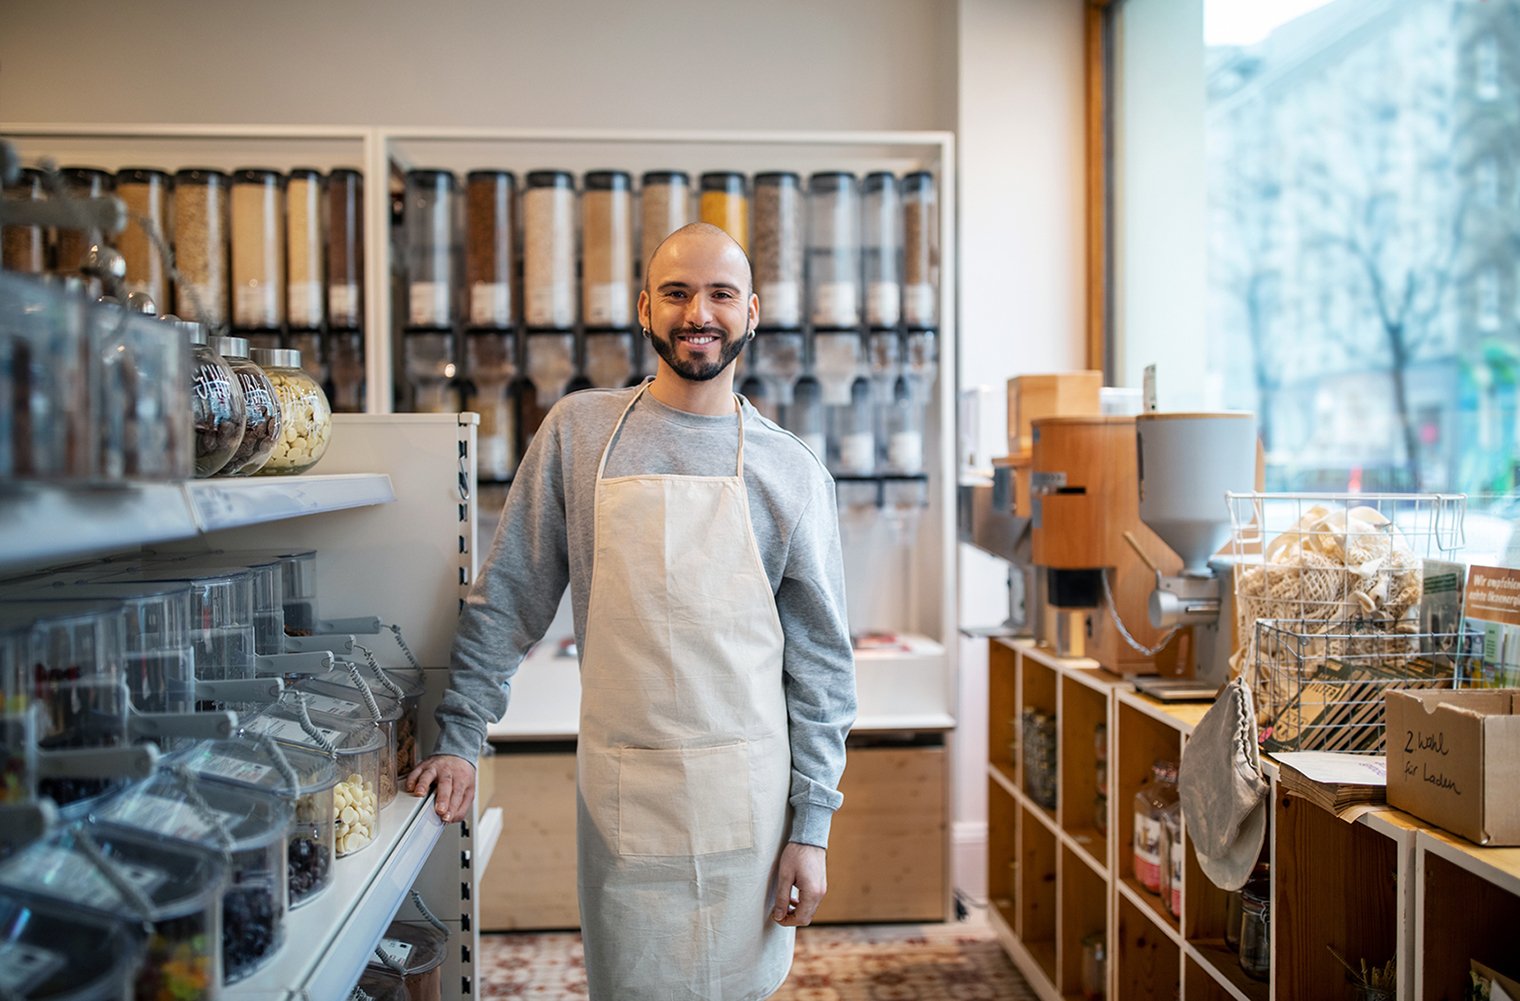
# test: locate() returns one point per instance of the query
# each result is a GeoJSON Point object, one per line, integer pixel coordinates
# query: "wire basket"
{"type": "Point", "coordinates": [1324, 687]}
{"type": "Point", "coordinates": [1340, 578]}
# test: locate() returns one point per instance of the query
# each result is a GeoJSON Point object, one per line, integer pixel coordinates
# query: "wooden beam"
{"type": "Point", "coordinates": [1096, 14]}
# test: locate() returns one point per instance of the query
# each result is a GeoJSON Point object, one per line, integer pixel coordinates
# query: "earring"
{"type": "Point", "coordinates": [749, 336]}
{"type": "Point", "coordinates": [647, 332]}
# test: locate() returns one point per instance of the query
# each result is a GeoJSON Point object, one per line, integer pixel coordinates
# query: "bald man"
{"type": "Point", "coordinates": [700, 543]}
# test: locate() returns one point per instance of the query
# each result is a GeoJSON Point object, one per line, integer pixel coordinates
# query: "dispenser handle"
{"type": "Point", "coordinates": [199, 726]}
{"type": "Point", "coordinates": [98, 762]}
{"type": "Point", "coordinates": [341, 643]}
{"type": "Point", "coordinates": [278, 664]}
{"type": "Point", "coordinates": [241, 689]}
{"type": "Point", "coordinates": [364, 625]}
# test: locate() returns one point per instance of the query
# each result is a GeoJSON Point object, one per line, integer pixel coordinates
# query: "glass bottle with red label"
{"type": "Point", "coordinates": [1152, 800]}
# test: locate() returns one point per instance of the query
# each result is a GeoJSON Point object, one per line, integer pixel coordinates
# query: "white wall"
{"type": "Point", "coordinates": [1022, 299]}
{"type": "Point", "coordinates": [675, 64]}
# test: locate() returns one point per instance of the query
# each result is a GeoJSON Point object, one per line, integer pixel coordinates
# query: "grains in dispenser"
{"type": "Point", "coordinates": [146, 194]}
{"type": "Point", "coordinates": [881, 248]}
{"type": "Point", "coordinates": [258, 250]}
{"type": "Point", "coordinates": [345, 247]}
{"type": "Point", "coordinates": [200, 245]}
{"type": "Point", "coordinates": [920, 249]}
{"type": "Point", "coordinates": [725, 205]}
{"type": "Point", "coordinates": [24, 248]}
{"type": "Point", "coordinates": [488, 250]}
{"type": "Point", "coordinates": [778, 250]}
{"type": "Point", "coordinates": [607, 249]}
{"type": "Point", "coordinates": [664, 207]}
{"type": "Point", "coordinates": [428, 219]}
{"type": "Point", "coordinates": [549, 249]}
{"type": "Point", "coordinates": [74, 244]}
{"type": "Point", "coordinates": [303, 249]}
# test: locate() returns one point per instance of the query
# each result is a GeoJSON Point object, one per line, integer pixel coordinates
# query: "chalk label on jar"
{"type": "Point", "coordinates": [883, 303]}
{"type": "Point", "coordinates": [551, 304]}
{"type": "Point", "coordinates": [490, 304]}
{"type": "Point", "coordinates": [235, 769]}
{"type": "Point", "coordinates": [918, 304]}
{"type": "Point", "coordinates": [343, 304]}
{"type": "Point", "coordinates": [429, 304]}
{"type": "Point", "coordinates": [304, 303]}
{"type": "Point", "coordinates": [781, 304]}
{"type": "Point", "coordinates": [905, 451]}
{"type": "Point", "coordinates": [834, 304]}
{"type": "Point", "coordinates": [398, 952]}
{"type": "Point", "coordinates": [256, 305]}
{"type": "Point", "coordinates": [23, 967]}
{"type": "Point", "coordinates": [289, 729]}
{"type": "Point", "coordinates": [607, 305]}
{"type": "Point", "coordinates": [857, 453]}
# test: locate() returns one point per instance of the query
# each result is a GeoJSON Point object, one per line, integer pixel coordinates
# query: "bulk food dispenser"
{"type": "Point", "coordinates": [1187, 462]}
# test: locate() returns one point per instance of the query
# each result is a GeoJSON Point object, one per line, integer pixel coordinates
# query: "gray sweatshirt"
{"type": "Point", "coordinates": [546, 541]}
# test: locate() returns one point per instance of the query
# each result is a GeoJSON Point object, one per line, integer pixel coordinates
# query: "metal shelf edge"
{"type": "Point", "coordinates": [221, 504]}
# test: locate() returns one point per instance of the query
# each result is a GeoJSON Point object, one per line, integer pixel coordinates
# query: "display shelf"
{"type": "Point", "coordinates": [1151, 906]}
{"type": "Point", "coordinates": [1141, 738]}
{"type": "Point", "coordinates": [1090, 847]}
{"type": "Point", "coordinates": [1334, 884]}
{"type": "Point", "coordinates": [1002, 706]}
{"type": "Point", "coordinates": [234, 503]}
{"type": "Point", "coordinates": [1477, 890]}
{"type": "Point", "coordinates": [1038, 685]}
{"type": "Point", "coordinates": [1023, 958]}
{"type": "Point", "coordinates": [1036, 891]}
{"type": "Point", "coordinates": [1082, 724]}
{"type": "Point", "coordinates": [329, 941]}
{"type": "Point", "coordinates": [1084, 911]}
{"type": "Point", "coordinates": [1002, 850]}
{"type": "Point", "coordinates": [1147, 962]}
{"type": "Point", "coordinates": [1221, 965]}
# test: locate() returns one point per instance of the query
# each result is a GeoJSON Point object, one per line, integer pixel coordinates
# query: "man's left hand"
{"type": "Point", "coordinates": [803, 868]}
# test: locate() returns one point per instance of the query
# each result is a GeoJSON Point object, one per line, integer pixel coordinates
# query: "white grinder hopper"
{"type": "Point", "coordinates": [1188, 461]}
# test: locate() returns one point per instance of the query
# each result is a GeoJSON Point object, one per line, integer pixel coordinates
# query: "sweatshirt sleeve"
{"type": "Point", "coordinates": [819, 666]}
{"type": "Point", "coordinates": [512, 602]}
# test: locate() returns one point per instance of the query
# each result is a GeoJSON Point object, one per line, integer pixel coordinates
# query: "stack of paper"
{"type": "Point", "coordinates": [1342, 784]}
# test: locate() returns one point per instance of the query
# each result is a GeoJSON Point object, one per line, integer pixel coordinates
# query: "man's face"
{"type": "Point", "coordinates": [699, 307]}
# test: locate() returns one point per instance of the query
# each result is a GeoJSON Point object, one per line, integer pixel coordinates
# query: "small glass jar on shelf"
{"type": "Point", "coordinates": [218, 412]}
{"type": "Point", "coordinates": [664, 207]}
{"type": "Point", "coordinates": [261, 405]}
{"type": "Point", "coordinates": [881, 248]}
{"type": "Point", "coordinates": [778, 248]}
{"type": "Point", "coordinates": [1152, 800]}
{"type": "Point", "coordinates": [306, 276]}
{"type": "Point", "coordinates": [74, 244]}
{"type": "Point", "coordinates": [344, 212]}
{"type": "Point", "coordinates": [428, 221]}
{"type": "Point", "coordinates": [23, 249]}
{"type": "Point", "coordinates": [834, 249]}
{"type": "Point", "coordinates": [724, 203]}
{"type": "Point", "coordinates": [607, 250]}
{"type": "Point", "coordinates": [305, 417]}
{"type": "Point", "coordinates": [201, 198]}
{"type": "Point", "coordinates": [491, 360]}
{"type": "Point", "coordinates": [1256, 929]}
{"type": "Point", "coordinates": [145, 192]}
{"type": "Point", "coordinates": [490, 232]}
{"type": "Point", "coordinates": [548, 207]}
{"type": "Point", "coordinates": [258, 251]}
{"type": "Point", "coordinates": [920, 198]}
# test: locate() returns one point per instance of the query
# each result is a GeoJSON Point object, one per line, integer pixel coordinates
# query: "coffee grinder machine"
{"type": "Point", "coordinates": [1187, 463]}
{"type": "Point", "coordinates": [1095, 585]}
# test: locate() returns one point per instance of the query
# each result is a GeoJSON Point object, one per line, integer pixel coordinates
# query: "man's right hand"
{"type": "Point", "coordinates": [454, 778]}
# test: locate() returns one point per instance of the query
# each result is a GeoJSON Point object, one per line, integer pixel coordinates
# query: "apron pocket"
{"type": "Point", "coordinates": [684, 801]}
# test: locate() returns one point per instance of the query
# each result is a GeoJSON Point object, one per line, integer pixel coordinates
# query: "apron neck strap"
{"type": "Point", "coordinates": [601, 468]}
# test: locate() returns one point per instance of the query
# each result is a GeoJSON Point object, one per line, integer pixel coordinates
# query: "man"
{"type": "Point", "coordinates": [701, 546]}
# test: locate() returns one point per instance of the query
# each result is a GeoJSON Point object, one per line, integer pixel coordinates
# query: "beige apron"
{"type": "Point", "coordinates": [683, 761]}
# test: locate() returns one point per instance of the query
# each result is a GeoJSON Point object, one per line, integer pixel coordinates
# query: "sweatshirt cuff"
{"type": "Point", "coordinates": [460, 741]}
{"type": "Point", "coordinates": [810, 824]}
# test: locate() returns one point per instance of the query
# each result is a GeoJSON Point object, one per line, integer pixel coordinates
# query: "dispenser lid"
{"type": "Point", "coordinates": [247, 762]}
{"type": "Point", "coordinates": [665, 177]}
{"type": "Point", "coordinates": [170, 805]}
{"type": "Point", "coordinates": [336, 694]}
{"type": "Point", "coordinates": [276, 357]}
{"type": "Point", "coordinates": [608, 180]}
{"type": "Point", "coordinates": [282, 721]}
{"type": "Point", "coordinates": [50, 951]}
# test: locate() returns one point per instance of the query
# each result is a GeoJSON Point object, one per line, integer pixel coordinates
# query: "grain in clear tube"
{"type": "Point", "coordinates": [920, 252]}
{"type": "Point", "coordinates": [488, 251]}
{"type": "Point", "coordinates": [607, 249]}
{"type": "Point", "coordinates": [664, 207]}
{"type": "Point", "coordinates": [74, 244]}
{"type": "Point", "coordinates": [200, 246]}
{"type": "Point", "coordinates": [345, 247]}
{"type": "Point", "coordinates": [778, 248]}
{"type": "Point", "coordinates": [303, 250]}
{"type": "Point", "coordinates": [724, 204]}
{"type": "Point", "coordinates": [258, 250]}
{"type": "Point", "coordinates": [24, 248]}
{"type": "Point", "coordinates": [549, 250]}
{"type": "Point", "coordinates": [146, 195]}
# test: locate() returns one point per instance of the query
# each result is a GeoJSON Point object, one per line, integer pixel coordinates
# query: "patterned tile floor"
{"type": "Point", "coordinates": [949, 962]}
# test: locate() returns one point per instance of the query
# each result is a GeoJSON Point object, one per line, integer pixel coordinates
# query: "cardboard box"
{"type": "Point", "coordinates": [1064, 394]}
{"type": "Point", "coordinates": [1454, 760]}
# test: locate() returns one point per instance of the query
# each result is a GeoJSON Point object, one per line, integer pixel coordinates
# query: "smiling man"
{"type": "Point", "coordinates": [700, 543]}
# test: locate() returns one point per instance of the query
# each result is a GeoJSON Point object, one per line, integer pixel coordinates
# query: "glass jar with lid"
{"type": "Point", "coordinates": [305, 417]}
{"type": "Point", "coordinates": [492, 360]}
{"type": "Point", "coordinates": [805, 416]}
{"type": "Point", "coordinates": [74, 244]}
{"type": "Point", "coordinates": [428, 221]}
{"type": "Point", "coordinates": [1256, 929]}
{"type": "Point", "coordinates": [261, 406]}
{"type": "Point", "coordinates": [178, 898]}
{"type": "Point", "coordinates": [45, 372]}
{"type": "Point", "coordinates": [23, 249]}
{"type": "Point", "coordinates": [415, 952]}
{"type": "Point", "coordinates": [834, 249]}
{"type": "Point", "coordinates": [548, 207]}
{"type": "Point", "coordinates": [201, 198]}
{"type": "Point", "coordinates": [356, 746]}
{"type": "Point", "coordinates": [724, 203]}
{"type": "Point", "coordinates": [490, 236]}
{"type": "Point", "coordinates": [258, 250]}
{"type": "Point", "coordinates": [344, 352]}
{"type": "Point", "coordinates": [145, 192]}
{"type": "Point", "coordinates": [218, 411]}
{"type": "Point", "coordinates": [250, 825]}
{"type": "Point", "coordinates": [920, 198]}
{"type": "Point", "coordinates": [304, 778]}
{"type": "Point", "coordinates": [344, 202]}
{"type": "Point", "coordinates": [778, 254]}
{"type": "Point", "coordinates": [881, 248]}
{"type": "Point", "coordinates": [67, 953]}
{"type": "Point", "coordinates": [1152, 800]}
{"type": "Point", "coordinates": [664, 207]}
{"type": "Point", "coordinates": [305, 286]}
{"type": "Point", "coordinates": [351, 698]}
{"type": "Point", "coordinates": [607, 250]}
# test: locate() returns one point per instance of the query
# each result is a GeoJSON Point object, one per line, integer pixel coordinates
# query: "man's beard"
{"type": "Point", "coordinates": [695, 369]}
